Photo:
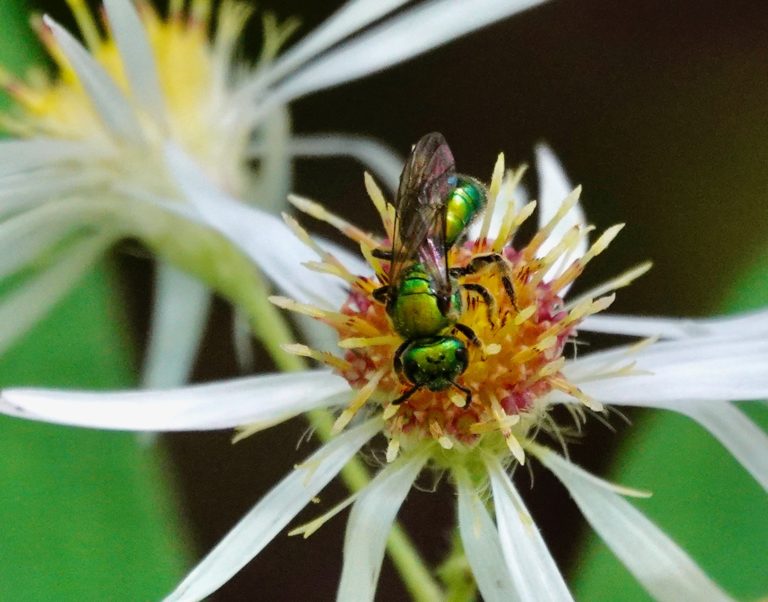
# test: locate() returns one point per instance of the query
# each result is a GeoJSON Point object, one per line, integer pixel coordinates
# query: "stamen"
{"type": "Point", "coordinates": [620, 281]}
{"type": "Point", "coordinates": [324, 357]}
{"type": "Point", "coordinates": [511, 223]}
{"type": "Point", "coordinates": [542, 235]}
{"type": "Point", "coordinates": [309, 528]}
{"type": "Point", "coordinates": [386, 211]}
{"type": "Point", "coordinates": [319, 212]}
{"type": "Point", "coordinates": [86, 23]}
{"type": "Point", "coordinates": [493, 192]}
{"type": "Point", "coordinates": [362, 342]}
{"type": "Point", "coordinates": [358, 401]}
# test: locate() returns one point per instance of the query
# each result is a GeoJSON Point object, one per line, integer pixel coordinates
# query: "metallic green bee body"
{"type": "Point", "coordinates": [416, 310]}
{"type": "Point", "coordinates": [435, 362]}
{"type": "Point", "coordinates": [434, 207]}
{"type": "Point", "coordinates": [466, 202]}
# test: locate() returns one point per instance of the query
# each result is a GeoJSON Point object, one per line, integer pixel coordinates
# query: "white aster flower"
{"type": "Point", "coordinates": [517, 375]}
{"type": "Point", "coordinates": [87, 166]}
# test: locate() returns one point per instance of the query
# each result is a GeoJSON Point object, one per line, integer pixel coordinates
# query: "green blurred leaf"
{"type": "Point", "coordinates": [86, 515]}
{"type": "Point", "coordinates": [702, 496]}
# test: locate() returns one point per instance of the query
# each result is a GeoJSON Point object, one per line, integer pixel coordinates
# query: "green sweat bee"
{"type": "Point", "coordinates": [434, 207]}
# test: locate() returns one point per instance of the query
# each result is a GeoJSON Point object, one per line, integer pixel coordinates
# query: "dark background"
{"type": "Point", "coordinates": [657, 108]}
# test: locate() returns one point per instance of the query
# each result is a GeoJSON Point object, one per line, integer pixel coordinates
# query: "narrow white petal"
{"type": "Point", "coordinates": [261, 236]}
{"type": "Point", "coordinates": [737, 433]}
{"type": "Point", "coordinates": [663, 568]}
{"type": "Point", "coordinates": [24, 237]}
{"type": "Point", "coordinates": [352, 17]}
{"type": "Point", "coordinates": [107, 99]}
{"type": "Point", "coordinates": [272, 514]}
{"type": "Point", "coordinates": [554, 187]}
{"type": "Point", "coordinates": [482, 546]}
{"type": "Point", "coordinates": [270, 184]}
{"type": "Point", "coordinates": [17, 156]}
{"type": "Point", "coordinates": [136, 56]}
{"type": "Point", "coordinates": [376, 156]}
{"type": "Point", "coordinates": [369, 525]}
{"type": "Point", "coordinates": [706, 368]}
{"type": "Point", "coordinates": [266, 399]}
{"type": "Point", "coordinates": [533, 570]}
{"type": "Point", "coordinates": [24, 191]}
{"type": "Point", "coordinates": [179, 315]}
{"type": "Point", "coordinates": [33, 299]}
{"type": "Point", "coordinates": [744, 324]}
{"type": "Point", "coordinates": [406, 35]}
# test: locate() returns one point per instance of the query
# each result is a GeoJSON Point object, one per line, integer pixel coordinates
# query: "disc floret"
{"type": "Point", "coordinates": [522, 327]}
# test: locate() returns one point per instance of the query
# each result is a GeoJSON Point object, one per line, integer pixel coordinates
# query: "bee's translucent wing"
{"type": "Point", "coordinates": [427, 179]}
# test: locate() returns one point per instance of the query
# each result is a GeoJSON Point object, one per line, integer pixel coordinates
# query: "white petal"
{"type": "Point", "coordinates": [272, 514]}
{"type": "Point", "coordinates": [27, 190]}
{"type": "Point", "coordinates": [272, 181]}
{"type": "Point", "coordinates": [398, 39]}
{"type": "Point", "coordinates": [369, 525]}
{"type": "Point", "coordinates": [266, 399]}
{"type": "Point", "coordinates": [744, 324]}
{"type": "Point", "coordinates": [261, 236]}
{"type": "Point", "coordinates": [25, 237]}
{"type": "Point", "coordinates": [33, 299]}
{"type": "Point", "coordinates": [738, 434]}
{"type": "Point", "coordinates": [707, 368]}
{"type": "Point", "coordinates": [17, 156]}
{"type": "Point", "coordinates": [376, 156]}
{"type": "Point", "coordinates": [482, 546]}
{"type": "Point", "coordinates": [533, 570]}
{"type": "Point", "coordinates": [107, 99]}
{"type": "Point", "coordinates": [554, 187]}
{"type": "Point", "coordinates": [179, 315]}
{"type": "Point", "coordinates": [654, 559]}
{"type": "Point", "coordinates": [352, 17]}
{"type": "Point", "coordinates": [136, 56]}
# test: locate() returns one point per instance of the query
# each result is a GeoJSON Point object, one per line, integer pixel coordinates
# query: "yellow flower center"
{"type": "Point", "coordinates": [522, 327]}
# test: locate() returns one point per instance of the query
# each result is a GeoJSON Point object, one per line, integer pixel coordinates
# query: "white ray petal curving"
{"type": "Point", "coordinates": [264, 399]}
{"type": "Point", "coordinates": [701, 369]}
{"type": "Point", "coordinates": [533, 570]}
{"type": "Point", "coordinates": [179, 315]}
{"type": "Point", "coordinates": [660, 566]}
{"type": "Point", "coordinates": [482, 546]}
{"type": "Point", "coordinates": [107, 99]}
{"type": "Point", "coordinates": [417, 30]}
{"type": "Point", "coordinates": [376, 156]}
{"type": "Point", "coordinates": [744, 324]}
{"type": "Point", "coordinates": [257, 528]}
{"type": "Point", "coordinates": [279, 254]}
{"type": "Point", "coordinates": [554, 187]}
{"type": "Point", "coordinates": [369, 525]}
{"type": "Point", "coordinates": [25, 237]}
{"type": "Point", "coordinates": [351, 17]}
{"type": "Point", "coordinates": [17, 156]}
{"type": "Point", "coordinates": [23, 307]}
{"type": "Point", "coordinates": [137, 57]}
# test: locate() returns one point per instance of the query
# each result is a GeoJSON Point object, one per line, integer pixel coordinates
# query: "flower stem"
{"type": "Point", "coordinates": [270, 326]}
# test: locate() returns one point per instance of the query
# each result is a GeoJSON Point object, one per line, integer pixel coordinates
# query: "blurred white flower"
{"type": "Point", "coordinates": [518, 375]}
{"type": "Point", "coordinates": [88, 167]}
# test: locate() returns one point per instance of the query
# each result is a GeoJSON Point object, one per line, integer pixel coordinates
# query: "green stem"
{"type": "Point", "coordinates": [272, 329]}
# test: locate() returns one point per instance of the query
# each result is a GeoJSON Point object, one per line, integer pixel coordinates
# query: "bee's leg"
{"type": "Point", "coordinates": [397, 362]}
{"type": "Point", "coordinates": [481, 262]}
{"type": "Point", "coordinates": [467, 393]}
{"type": "Point", "coordinates": [469, 333]}
{"type": "Point", "coordinates": [386, 255]}
{"type": "Point", "coordinates": [381, 294]}
{"type": "Point", "coordinates": [490, 302]}
{"type": "Point", "coordinates": [405, 396]}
